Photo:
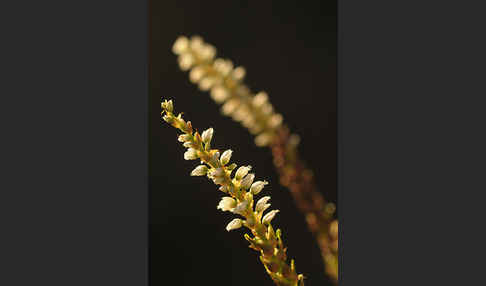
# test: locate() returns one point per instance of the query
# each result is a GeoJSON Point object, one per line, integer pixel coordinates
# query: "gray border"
{"type": "Point", "coordinates": [74, 185]}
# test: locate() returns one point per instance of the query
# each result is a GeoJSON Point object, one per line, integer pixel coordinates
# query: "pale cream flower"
{"type": "Point", "coordinates": [257, 187]}
{"type": "Point", "coordinates": [242, 171]}
{"type": "Point", "coordinates": [234, 224]}
{"type": "Point", "coordinates": [247, 181]}
{"type": "Point", "coordinates": [200, 170]}
{"type": "Point", "coordinates": [225, 157]}
{"type": "Point", "coordinates": [190, 154]}
{"type": "Point", "coordinates": [226, 204]}
{"type": "Point", "coordinates": [207, 135]}
{"type": "Point", "coordinates": [269, 216]}
{"type": "Point", "coordinates": [262, 205]}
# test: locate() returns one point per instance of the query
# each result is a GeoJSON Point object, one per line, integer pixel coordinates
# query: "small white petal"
{"type": "Point", "coordinates": [225, 158]}
{"type": "Point", "coordinates": [257, 187]}
{"type": "Point", "coordinates": [190, 154]}
{"type": "Point", "coordinates": [234, 224]}
{"type": "Point", "coordinates": [261, 203]}
{"type": "Point", "coordinates": [226, 204]}
{"type": "Point", "coordinates": [247, 181]}
{"type": "Point", "coordinates": [242, 171]}
{"type": "Point", "coordinates": [207, 135]}
{"type": "Point", "coordinates": [200, 170]}
{"type": "Point", "coordinates": [269, 216]}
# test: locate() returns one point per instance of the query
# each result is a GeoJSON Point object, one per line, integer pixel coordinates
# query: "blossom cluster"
{"type": "Point", "coordinates": [240, 190]}
{"type": "Point", "coordinates": [225, 83]}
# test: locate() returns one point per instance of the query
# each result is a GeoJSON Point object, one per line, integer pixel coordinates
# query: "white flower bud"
{"type": "Point", "coordinates": [206, 83]}
{"type": "Point", "coordinates": [239, 73]}
{"type": "Point", "coordinates": [227, 204]}
{"type": "Point", "coordinates": [257, 187]}
{"type": "Point", "coordinates": [196, 43]}
{"type": "Point", "coordinates": [196, 74]}
{"type": "Point", "coordinates": [207, 135]}
{"type": "Point", "coordinates": [200, 170]}
{"type": "Point", "coordinates": [180, 45]}
{"type": "Point", "coordinates": [261, 205]}
{"type": "Point", "coordinates": [269, 216]}
{"type": "Point", "coordinates": [230, 106]}
{"type": "Point", "coordinates": [234, 224]}
{"type": "Point", "coordinates": [259, 99]}
{"type": "Point", "coordinates": [187, 144]}
{"type": "Point", "coordinates": [247, 181]}
{"type": "Point", "coordinates": [207, 52]}
{"type": "Point", "coordinates": [241, 208]}
{"type": "Point", "coordinates": [263, 139]}
{"type": "Point", "coordinates": [275, 120]}
{"type": "Point", "coordinates": [190, 154]}
{"type": "Point", "coordinates": [219, 93]}
{"type": "Point", "coordinates": [225, 158]}
{"type": "Point", "coordinates": [184, 137]}
{"type": "Point", "coordinates": [242, 171]}
{"type": "Point", "coordinates": [168, 105]}
{"type": "Point", "coordinates": [186, 61]}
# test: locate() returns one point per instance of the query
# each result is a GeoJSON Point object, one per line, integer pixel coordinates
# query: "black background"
{"type": "Point", "coordinates": [289, 51]}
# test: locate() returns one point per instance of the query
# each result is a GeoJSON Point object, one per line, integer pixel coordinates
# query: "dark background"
{"type": "Point", "coordinates": [289, 51]}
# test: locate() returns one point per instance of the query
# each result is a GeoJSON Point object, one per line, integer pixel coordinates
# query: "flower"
{"type": "Point", "coordinates": [234, 224]}
{"type": "Point", "coordinates": [262, 205]}
{"type": "Point", "coordinates": [242, 171]}
{"type": "Point", "coordinates": [184, 137]}
{"type": "Point", "coordinates": [226, 204]}
{"type": "Point", "coordinates": [168, 105]}
{"type": "Point", "coordinates": [269, 216]}
{"type": "Point", "coordinates": [180, 45]}
{"type": "Point", "coordinates": [190, 154]}
{"type": "Point", "coordinates": [225, 158]}
{"type": "Point", "coordinates": [257, 187]}
{"type": "Point", "coordinates": [247, 180]}
{"type": "Point", "coordinates": [200, 170]}
{"type": "Point", "coordinates": [207, 135]}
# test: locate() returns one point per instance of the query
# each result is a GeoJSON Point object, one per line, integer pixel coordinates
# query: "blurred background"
{"type": "Point", "coordinates": [288, 49]}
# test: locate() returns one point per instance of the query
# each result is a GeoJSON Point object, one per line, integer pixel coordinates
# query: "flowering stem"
{"type": "Point", "coordinates": [256, 113]}
{"type": "Point", "coordinates": [241, 190]}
